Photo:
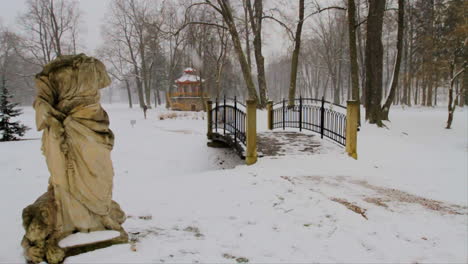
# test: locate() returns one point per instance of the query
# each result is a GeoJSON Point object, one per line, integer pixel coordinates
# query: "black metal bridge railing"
{"type": "Point", "coordinates": [312, 114]}
{"type": "Point", "coordinates": [229, 120]}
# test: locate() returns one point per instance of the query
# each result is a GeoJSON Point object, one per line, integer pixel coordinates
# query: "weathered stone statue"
{"type": "Point", "coordinates": [77, 143]}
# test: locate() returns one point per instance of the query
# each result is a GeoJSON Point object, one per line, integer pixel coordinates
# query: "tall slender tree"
{"type": "Point", "coordinates": [396, 68]}
{"type": "Point", "coordinates": [256, 18]}
{"type": "Point", "coordinates": [374, 62]}
{"type": "Point", "coordinates": [295, 55]}
{"type": "Point", "coordinates": [354, 68]}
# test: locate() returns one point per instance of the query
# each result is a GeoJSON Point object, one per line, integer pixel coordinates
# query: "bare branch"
{"type": "Point", "coordinates": [198, 23]}
{"type": "Point", "coordinates": [320, 10]}
{"type": "Point", "coordinates": [289, 31]}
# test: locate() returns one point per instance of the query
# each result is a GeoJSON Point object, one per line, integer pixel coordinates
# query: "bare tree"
{"type": "Point", "coordinates": [225, 10]}
{"type": "Point", "coordinates": [176, 43]}
{"type": "Point", "coordinates": [15, 69]}
{"type": "Point", "coordinates": [396, 68]}
{"type": "Point", "coordinates": [113, 53]}
{"type": "Point", "coordinates": [296, 38]}
{"type": "Point", "coordinates": [295, 54]}
{"type": "Point", "coordinates": [452, 104]}
{"type": "Point", "coordinates": [50, 27]}
{"type": "Point", "coordinates": [256, 18]}
{"type": "Point", "coordinates": [120, 28]}
{"type": "Point", "coordinates": [331, 35]}
{"type": "Point", "coordinates": [218, 53]}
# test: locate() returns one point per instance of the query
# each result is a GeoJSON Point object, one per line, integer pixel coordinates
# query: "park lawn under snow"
{"type": "Point", "coordinates": [404, 200]}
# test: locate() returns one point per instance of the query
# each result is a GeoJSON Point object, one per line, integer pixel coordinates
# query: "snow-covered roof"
{"type": "Point", "coordinates": [188, 77]}
{"type": "Point", "coordinates": [189, 70]}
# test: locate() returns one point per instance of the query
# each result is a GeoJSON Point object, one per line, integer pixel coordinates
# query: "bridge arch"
{"type": "Point", "coordinates": [320, 116]}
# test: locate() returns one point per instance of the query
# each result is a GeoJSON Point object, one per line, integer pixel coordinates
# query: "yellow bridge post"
{"type": "Point", "coordinates": [270, 114]}
{"type": "Point", "coordinates": [251, 133]}
{"type": "Point", "coordinates": [351, 128]}
{"type": "Point", "coordinates": [209, 118]}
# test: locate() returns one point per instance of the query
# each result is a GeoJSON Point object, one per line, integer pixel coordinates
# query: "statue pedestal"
{"type": "Point", "coordinates": [80, 243]}
{"type": "Point", "coordinates": [42, 242]}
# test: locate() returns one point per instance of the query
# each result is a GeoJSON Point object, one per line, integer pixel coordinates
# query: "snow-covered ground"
{"type": "Point", "coordinates": [404, 200]}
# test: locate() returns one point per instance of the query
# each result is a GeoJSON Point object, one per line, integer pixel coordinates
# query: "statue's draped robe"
{"type": "Point", "coordinates": [76, 140]}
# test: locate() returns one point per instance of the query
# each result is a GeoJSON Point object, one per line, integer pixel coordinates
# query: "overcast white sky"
{"type": "Point", "coordinates": [93, 13]}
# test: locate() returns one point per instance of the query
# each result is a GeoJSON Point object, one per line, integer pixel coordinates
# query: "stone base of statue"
{"type": "Point", "coordinates": [43, 242]}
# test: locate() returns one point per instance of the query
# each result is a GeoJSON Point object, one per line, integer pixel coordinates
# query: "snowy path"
{"type": "Point", "coordinates": [186, 204]}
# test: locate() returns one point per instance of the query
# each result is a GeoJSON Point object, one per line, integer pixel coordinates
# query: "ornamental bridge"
{"type": "Point", "coordinates": [234, 124]}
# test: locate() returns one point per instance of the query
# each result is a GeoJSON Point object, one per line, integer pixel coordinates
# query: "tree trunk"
{"type": "Point", "coordinates": [396, 68]}
{"type": "Point", "coordinates": [247, 36]}
{"type": "Point", "coordinates": [145, 79]}
{"type": "Point", "coordinates": [410, 85]}
{"type": "Point", "coordinates": [55, 29]}
{"type": "Point", "coordinates": [465, 87]}
{"type": "Point", "coordinates": [337, 84]}
{"type": "Point", "coordinates": [295, 55]}
{"type": "Point", "coordinates": [410, 54]}
{"type": "Point", "coordinates": [129, 94]}
{"type": "Point", "coordinates": [246, 71]}
{"type": "Point", "coordinates": [430, 88]}
{"type": "Point", "coordinates": [139, 85]}
{"type": "Point", "coordinates": [423, 87]}
{"type": "Point", "coordinates": [353, 50]}
{"type": "Point", "coordinates": [406, 82]}
{"type": "Point", "coordinates": [256, 24]}
{"type": "Point", "coordinates": [155, 98]}
{"type": "Point", "coordinates": [451, 104]}
{"type": "Point", "coordinates": [396, 101]}
{"type": "Point", "coordinates": [318, 82]}
{"type": "Point", "coordinates": [202, 92]}
{"type": "Point", "coordinates": [374, 62]}
{"type": "Point", "coordinates": [387, 67]}
{"type": "Point", "coordinates": [170, 86]}
{"type": "Point", "coordinates": [158, 96]}
{"type": "Point", "coordinates": [361, 60]}
{"type": "Point", "coordinates": [436, 84]}
{"type": "Point", "coordinates": [416, 91]}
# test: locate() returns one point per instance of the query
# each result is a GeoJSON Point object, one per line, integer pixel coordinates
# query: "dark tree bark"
{"type": "Point", "coordinates": [423, 87]}
{"type": "Point", "coordinates": [465, 87]}
{"type": "Point", "coordinates": [136, 72]}
{"type": "Point", "coordinates": [451, 103]}
{"type": "Point", "coordinates": [226, 11]}
{"type": "Point", "coordinates": [416, 91]}
{"type": "Point", "coordinates": [55, 30]}
{"type": "Point", "coordinates": [407, 43]}
{"type": "Point", "coordinates": [256, 24]}
{"type": "Point", "coordinates": [353, 54]}
{"type": "Point", "coordinates": [410, 55]}
{"type": "Point", "coordinates": [430, 87]}
{"type": "Point", "coordinates": [374, 62]}
{"type": "Point", "coordinates": [247, 35]}
{"type": "Point", "coordinates": [295, 55]}
{"type": "Point", "coordinates": [361, 59]}
{"type": "Point", "coordinates": [396, 69]}
{"type": "Point", "coordinates": [129, 94]}
{"type": "Point", "coordinates": [353, 50]}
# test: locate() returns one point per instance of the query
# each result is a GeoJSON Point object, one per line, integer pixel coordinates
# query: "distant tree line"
{"type": "Point", "coordinates": [422, 44]}
{"type": "Point", "coordinates": [378, 52]}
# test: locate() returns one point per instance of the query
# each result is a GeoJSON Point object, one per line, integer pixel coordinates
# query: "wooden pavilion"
{"type": "Point", "coordinates": [188, 95]}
